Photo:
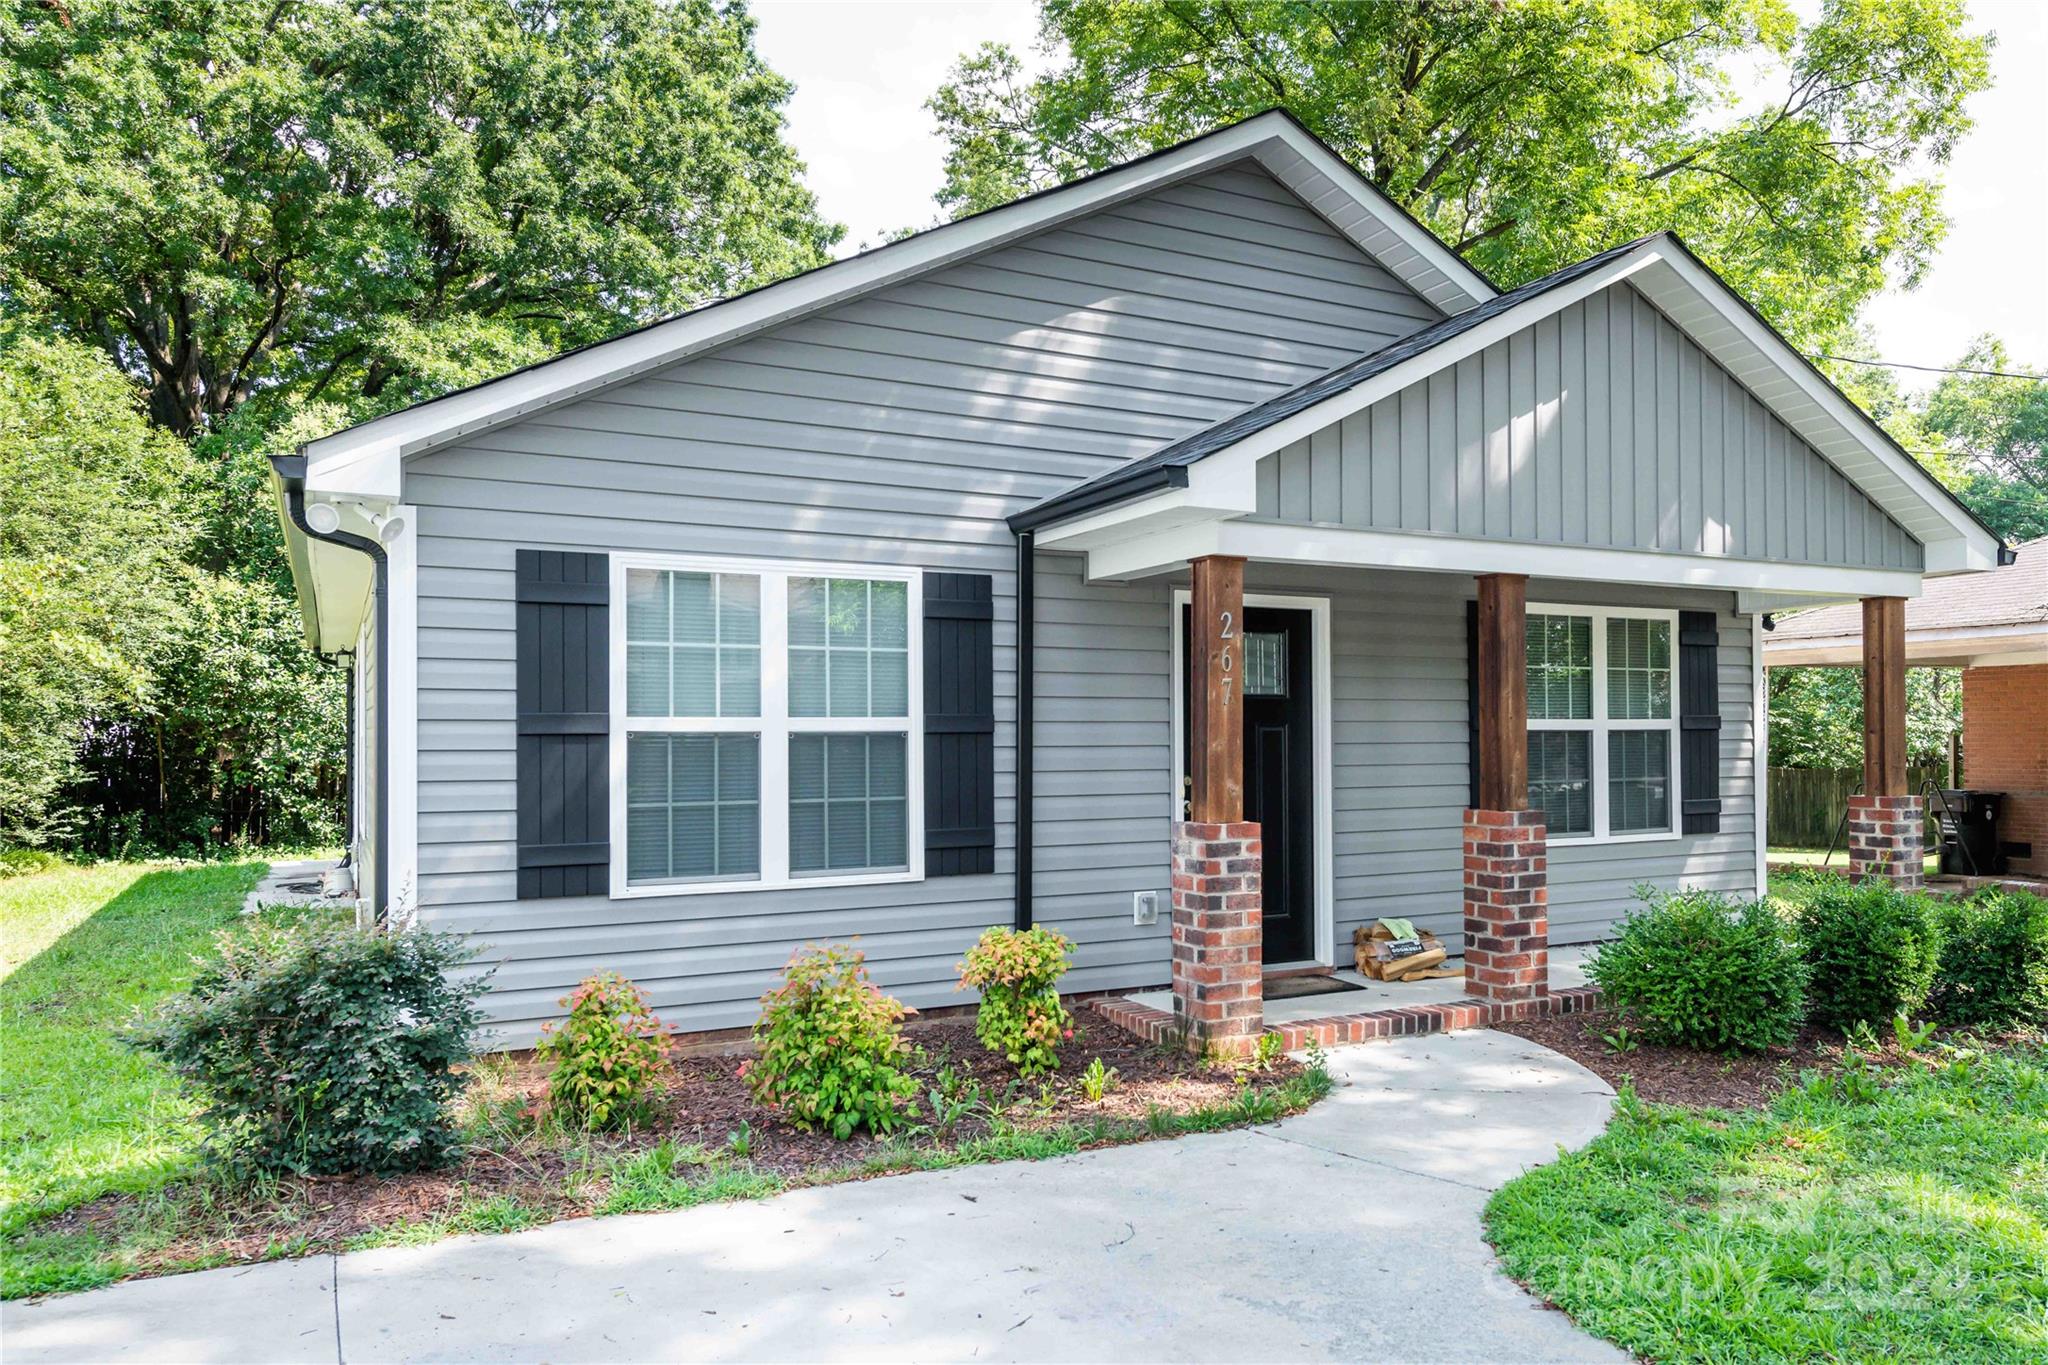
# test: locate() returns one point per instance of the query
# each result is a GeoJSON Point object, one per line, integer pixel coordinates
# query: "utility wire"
{"type": "Point", "coordinates": [1929, 369]}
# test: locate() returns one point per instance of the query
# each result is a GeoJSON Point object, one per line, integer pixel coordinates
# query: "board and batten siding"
{"type": "Point", "coordinates": [1601, 425]}
{"type": "Point", "coordinates": [897, 430]}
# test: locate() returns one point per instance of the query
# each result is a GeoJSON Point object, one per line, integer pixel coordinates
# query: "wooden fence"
{"type": "Point", "coordinates": [1807, 804]}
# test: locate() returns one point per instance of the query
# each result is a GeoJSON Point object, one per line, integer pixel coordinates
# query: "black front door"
{"type": "Point", "coordinates": [1279, 768]}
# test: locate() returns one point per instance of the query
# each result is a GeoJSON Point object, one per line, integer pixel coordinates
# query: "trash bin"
{"type": "Point", "coordinates": [1969, 833]}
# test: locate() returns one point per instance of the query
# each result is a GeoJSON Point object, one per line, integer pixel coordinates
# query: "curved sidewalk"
{"type": "Point", "coordinates": [1349, 1232]}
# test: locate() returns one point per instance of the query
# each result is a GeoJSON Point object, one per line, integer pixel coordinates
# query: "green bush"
{"type": "Point", "coordinates": [322, 1051]}
{"type": "Point", "coordinates": [1018, 975]}
{"type": "Point", "coordinates": [1701, 970]}
{"type": "Point", "coordinates": [1994, 962]}
{"type": "Point", "coordinates": [607, 1054]}
{"type": "Point", "coordinates": [1870, 951]}
{"type": "Point", "coordinates": [831, 1047]}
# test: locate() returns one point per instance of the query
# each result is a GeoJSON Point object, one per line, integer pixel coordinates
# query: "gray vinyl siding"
{"type": "Point", "coordinates": [897, 430]}
{"type": "Point", "coordinates": [1399, 756]}
{"type": "Point", "coordinates": [1601, 425]}
{"type": "Point", "coordinates": [1400, 751]}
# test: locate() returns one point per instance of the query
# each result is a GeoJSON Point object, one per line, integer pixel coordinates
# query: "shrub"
{"type": "Point", "coordinates": [1870, 951]}
{"type": "Point", "coordinates": [1701, 970]}
{"type": "Point", "coordinates": [607, 1054]}
{"type": "Point", "coordinates": [1994, 962]}
{"type": "Point", "coordinates": [831, 1046]}
{"type": "Point", "coordinates": [1018, 975]}
{"type": "Point", "coordinates": [322, 1051]}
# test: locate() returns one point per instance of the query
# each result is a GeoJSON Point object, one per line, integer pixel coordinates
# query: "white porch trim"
{"type": "Point", "coordinates": [1164, 551]}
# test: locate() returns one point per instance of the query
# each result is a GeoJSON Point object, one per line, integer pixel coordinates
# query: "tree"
{"type": "Point", "coordinates": [1996, 429]}
{"type": "Point", "coordinates": [1531, 135]}
{"type": "Point", "coordinates": [1817, 716]}
{"type": "Point", "coordinates": [382, 199]}
{"type": "Point", "coordinates": [91, 548]}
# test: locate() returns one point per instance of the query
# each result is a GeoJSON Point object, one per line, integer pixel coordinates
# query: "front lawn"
{"type": "Point", "coordinates": [81, 1115]}
{"type": "Point", "coordinates": [1897, 1212]}
{"type": "Point", "coordinates": [103, 1180]}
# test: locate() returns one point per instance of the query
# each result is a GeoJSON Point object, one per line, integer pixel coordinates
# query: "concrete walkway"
{"type": "Point", "coordinates": [1349, 1232]}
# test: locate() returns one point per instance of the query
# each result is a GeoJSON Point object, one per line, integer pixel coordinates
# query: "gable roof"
{"type": "Point", "coordinates": [1690, 294]}
{"type": "Point", "coordinates": [1156, 470]}
{"type": "Point", "coordinates": [365, 460]}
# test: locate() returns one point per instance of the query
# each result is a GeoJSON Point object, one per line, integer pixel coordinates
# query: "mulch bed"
{"type": "Point", "coordinates": [705, 1105]}
{"type": "Point", "coordinates": [1680, 1075]}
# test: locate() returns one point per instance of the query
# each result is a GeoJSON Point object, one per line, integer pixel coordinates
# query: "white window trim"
{"type": "Point", "coordinates": [774, 724]}
{"type": "Point", "coordinates": [1600, 726]}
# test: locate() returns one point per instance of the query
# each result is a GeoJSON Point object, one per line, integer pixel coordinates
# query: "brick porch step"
{"type": "Point", "coordinates": [1400, 1021]}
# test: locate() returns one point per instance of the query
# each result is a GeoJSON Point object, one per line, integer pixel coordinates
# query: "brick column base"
{"type": "Point", "coordinates": [1218, 996]}
{"type": "Point", "coordinates": [1887, 838]}
{"type": "Point", "coordinates": [1507, 906]}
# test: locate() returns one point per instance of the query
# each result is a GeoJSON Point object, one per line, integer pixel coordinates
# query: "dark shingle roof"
{"type": "Point", "coordinates": [1167, 467]}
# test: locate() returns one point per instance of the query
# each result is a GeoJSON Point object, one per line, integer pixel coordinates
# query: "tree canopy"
{"type": "Point", "coordinates": [384, 199]}
{"type": "Point", "coordinates": [1531, 135]}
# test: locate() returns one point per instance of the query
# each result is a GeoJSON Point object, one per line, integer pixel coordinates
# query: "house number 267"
{"type": "Point", "coordinates": [1226, 658]}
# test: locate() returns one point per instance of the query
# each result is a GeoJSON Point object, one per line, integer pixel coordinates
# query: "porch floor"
{"type": "Point", "coordinates": [1380, 1009]}
{"type": "Point", "coordinates": [1567, 972]}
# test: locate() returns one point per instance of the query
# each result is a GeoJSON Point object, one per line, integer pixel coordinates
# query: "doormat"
{"type": "Point", "coordinates": [1294, 987]}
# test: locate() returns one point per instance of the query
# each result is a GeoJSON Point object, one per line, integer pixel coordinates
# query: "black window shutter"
{"type": "Point", "coordinates": [1472, 703]}
{"type": "Point", "coordinates": [564, 685]}
{"type": "Point", "coordinates": [959, 725]}
{"type": "Point", "coordinates": [1699, 721]}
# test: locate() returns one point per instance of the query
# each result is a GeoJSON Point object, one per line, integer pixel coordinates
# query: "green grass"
{"type": "Point", "coordinates": [1812, 857]}
{"type": "Point", "coordinates": [1909, 1225]}
{"type": "Point", "coordinates": [82, 1115]}
{"type": "Point", "coordinates": [81, 948]}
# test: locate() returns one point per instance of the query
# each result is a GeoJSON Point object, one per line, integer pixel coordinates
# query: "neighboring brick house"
{"type": "Point", "coordinates": [1994, 627]}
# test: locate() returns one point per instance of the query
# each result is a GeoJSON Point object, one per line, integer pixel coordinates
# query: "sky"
{"type": "Point", "coordinates": [864, 68]}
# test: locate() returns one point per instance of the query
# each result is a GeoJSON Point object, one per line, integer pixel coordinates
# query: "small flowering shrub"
{"type": "Point", "coordinates": [321, 1051]}
{"type": "Point", "coordinates": [1018, 975]}
{"type": "Point", "coordinates": [831, 1047]}
{"type": "Point", "coordinates": [607, 1054]}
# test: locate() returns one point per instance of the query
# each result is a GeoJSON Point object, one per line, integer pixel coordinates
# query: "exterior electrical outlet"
{"type": "Point", "coordinates": [1144, 907]}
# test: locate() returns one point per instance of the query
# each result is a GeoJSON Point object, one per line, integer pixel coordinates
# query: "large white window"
{"type": "Point", "coordinates": [1603, 722]}
{"type": "Point", "coordinates": [764, 727]}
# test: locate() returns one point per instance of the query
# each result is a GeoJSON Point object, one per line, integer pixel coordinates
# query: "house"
{"type": "Point", "coordinates": [1994, 627]}
{"type": "Point", "coordinates": [1199, 558]}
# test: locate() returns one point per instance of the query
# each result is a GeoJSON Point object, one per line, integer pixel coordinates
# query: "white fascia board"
{"type": "Point", "coordinates": [1968, 547]}
{"type": "Point", "coordinates": [1757, 603]}
{"type": "Point", "coordinates": [1276, 542]}
{"type": "Point", "coordinates": [1424, 243]}
{"type": "Point", "coordinates": [1216, 490]}
{"type": "Point", "coordinates": [365, 461]}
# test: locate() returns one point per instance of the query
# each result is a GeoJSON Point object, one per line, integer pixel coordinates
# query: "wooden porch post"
{"type": "Point", "coordinates": [1887, 822]}
{"type": "Point", "coordinates": [1503, 691]}
{"type": "Point", "coordinates": [1507, 894]}
{"type": "Point", "coordinates": [1218, 929]}
{"type": "Point", "coordinates": [1884, 696]}
{"type": "Point", "coordinates": [1216, 707]}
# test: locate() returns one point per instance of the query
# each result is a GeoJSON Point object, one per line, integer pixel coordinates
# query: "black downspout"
{"type": "Point", "coordinates": [291, 471]}
{"type": "Point", "coordinates": [348, 761]}
{"type": "Point", "coordinates": [1027, 612]}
